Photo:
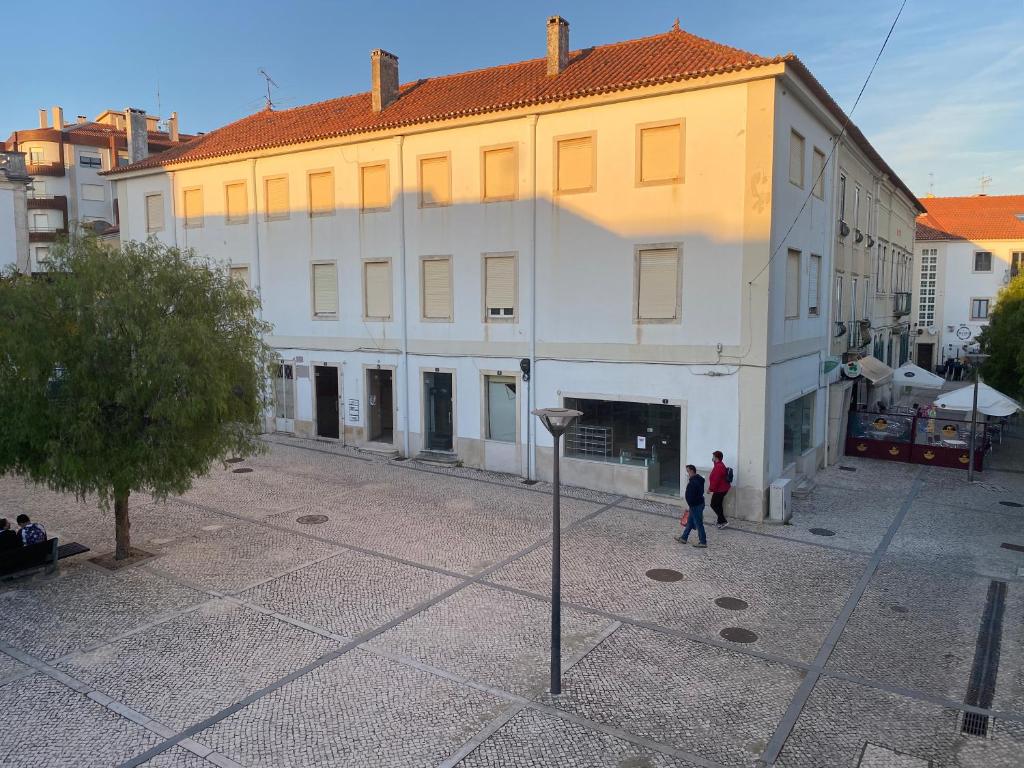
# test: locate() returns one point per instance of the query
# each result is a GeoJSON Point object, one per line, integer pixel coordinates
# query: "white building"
{"type": "Point", "coordinates": [600, 229]}
{"type": "Point", "coordinates": [968, 248]}
{"type": "Point", "coordinates": [14, 182]}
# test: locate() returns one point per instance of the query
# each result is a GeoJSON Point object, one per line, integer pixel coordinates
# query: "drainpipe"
{"type": "Point", "coordinates": [403, 289]}
{"type": "Point", "coordinates": [257, 272]}
{"type": "Point", "coordinates": [531, 404]}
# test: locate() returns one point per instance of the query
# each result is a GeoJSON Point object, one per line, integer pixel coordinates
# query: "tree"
{"type": "Point", "coordinates": [1003, 340]}
{"type": "Point", "coordinates": [128, 369]}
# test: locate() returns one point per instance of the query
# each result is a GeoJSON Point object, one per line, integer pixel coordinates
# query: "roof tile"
{"type": "Point", "coordinates": [980, 217]}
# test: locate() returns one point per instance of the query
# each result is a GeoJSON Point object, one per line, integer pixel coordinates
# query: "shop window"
{"type": "Point", "coordinates": [501, 408]}
{"type": "Point", "coordinates": [797, 428]}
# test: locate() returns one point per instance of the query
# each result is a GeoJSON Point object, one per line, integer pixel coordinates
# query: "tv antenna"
{"type": "Point", "coordinates": [983, 182]}
{"type": "Point", "coordinates": [270, 82]}
{"type": "Point", "coordinates": [931, 183]}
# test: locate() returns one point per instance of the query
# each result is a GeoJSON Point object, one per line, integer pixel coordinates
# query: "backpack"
{"type": "Point", "coordinates": [728, 475]}
{"type": "Point", "coordinates": [33, 534]}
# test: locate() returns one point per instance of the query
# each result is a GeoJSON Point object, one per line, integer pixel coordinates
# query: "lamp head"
{"type": "Point", "coordinates": [557, 420]}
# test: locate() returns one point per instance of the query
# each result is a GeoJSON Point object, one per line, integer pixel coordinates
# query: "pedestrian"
{"type": "Point", "coordinates": [719, 483]}
{"type": "Point", "coordinates": [30, 533]}
{"type": "Point", "coordinates": [694, 496]}
{"type": "Point", "coordinates": [9, 540]}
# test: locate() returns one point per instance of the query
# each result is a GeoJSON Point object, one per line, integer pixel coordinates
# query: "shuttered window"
{"type": "Point", "coordinates": [321, 193]}
{"type": "Point", "coordinates": [435, 182]}
{"type": "Point", "coordinates": [240, 273]}
{"type": "Point", "coordinates": [325, 290]}
{"type": "Point", "coordinates": [154, 213]}
{"type": "Point", "coordinates": [661, 154]}
{"type": "Point", "coordinates": [193, 208]}
{"type": "Point", "coordinates": [575, 159]}
{"type": "Point", "coordinates": [796, 158]}
{"type": "Point", "coordinates": [377, 290]}
{"type": "Point", "coordinates": [277, 198]}
{"type": "Point", "coordinates": [437, 289]}
{"type": "Point", "coordinates": [657, 284]}
{"type": "Point", "coordinates": [236, 203]}
{"type": "Point", "coordinates": [374, 185]}
{"type": "Point", "coordinates": [793, 284]}
{"type": "Point", "coordinates": [500, 174]}
{"type": "Point", "coordinates": [818, 169]}
{"type": "Point", "coordinates": [499, 287]}
{"type": "Point", "coordinates": [813, 284]}
{"type": "Point", "coordinates": [95, 192]}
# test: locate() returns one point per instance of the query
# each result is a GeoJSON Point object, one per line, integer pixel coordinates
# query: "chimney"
{"type": "Point", "coordinates": [172, 127]}
{"type": "Point", "coordinates": [558, 45]}
{"type": "Point", "coordinates": [152, 123]}
{"type": "Point", "coordinates": [43, 119]}
{"type": "Point", "coordinates": [383, 79]}
{"type": "Point", "coordinates": [81, 119]}
{"type": "Point", "coordinates": [58, 118]}
{"type": "Point", "coordinates": [138, 140]}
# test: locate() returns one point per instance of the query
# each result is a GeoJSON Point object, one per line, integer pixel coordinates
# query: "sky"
{"type": "Point", "coordinates": [945, 106]}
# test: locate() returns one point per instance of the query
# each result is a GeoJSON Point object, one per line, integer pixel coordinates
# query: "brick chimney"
{"type": "Point", "coordinates": [43, 119]}
{"type": "Point", "coordinates": [138, 139]}
{"type": "Point", "coordinates": [558, 45]}
{"type": "Point", "coordinates": [58, 118]}
{"type": "Point", "coordinates": [172, 127]}
{"type": "Point", "coordinates": [383, 79]}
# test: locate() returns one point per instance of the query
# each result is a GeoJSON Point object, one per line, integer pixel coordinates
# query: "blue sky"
{"type": "Point", "coordinates": [947, 98]}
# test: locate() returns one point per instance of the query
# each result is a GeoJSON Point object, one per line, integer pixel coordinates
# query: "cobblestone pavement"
{"type": "Point", "coordinates": [333, 608]}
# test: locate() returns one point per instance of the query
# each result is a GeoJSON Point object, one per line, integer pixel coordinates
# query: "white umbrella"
{"type": "Point", "coordinates": [991, 402]}
{"type": "Point", "coordinates": [910, 375]}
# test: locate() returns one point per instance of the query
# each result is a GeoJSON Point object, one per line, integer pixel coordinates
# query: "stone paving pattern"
{"type": "Point", "coordinates": [411, 627]}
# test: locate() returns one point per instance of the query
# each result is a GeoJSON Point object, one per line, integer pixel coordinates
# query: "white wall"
{"type": "Point", "coordinates": [8, 227]}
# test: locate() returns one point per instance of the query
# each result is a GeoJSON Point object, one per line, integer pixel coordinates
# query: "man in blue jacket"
{"type": "Point", "coordinates": [694, 496]}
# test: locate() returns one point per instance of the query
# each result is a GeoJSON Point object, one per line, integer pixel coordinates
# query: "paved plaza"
{"type": "Point", "coordinates": [332, 608]}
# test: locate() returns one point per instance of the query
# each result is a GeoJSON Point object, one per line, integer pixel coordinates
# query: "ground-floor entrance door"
{"type": "Point", "coordinates": [437, 405]}
{"type": "Point", "coordinates": [328, 414]}
{"type": "Point", "coordinates": [380, 406]}
{"type": "Point", "coordinates": [284, 398]}
{"type": "Point", "coordinates": [926, 356]}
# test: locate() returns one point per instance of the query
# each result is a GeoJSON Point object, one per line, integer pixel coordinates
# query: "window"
{"type": "Point", "coordinates": [856, 206]}
{"type": "Point", "coordinates": [236, 203]}
{"type": "Point", "coordinates": [499, 287]}
{"type": "Point", "coordinates": [797, 428]}
{"type": "Point", "coordinates": [979, 309]}
{"type": "Point", "coordinates": [240, 273]}
{"type": "Point", "coordinates": [321, 193]}
{"type": "Point", "coordinates": [193, 208]}
{"type": "Point", "coordinates": [377, 290]}
{"type": "Point", "coordinates": [94, 192]}
{"type": "Point", "coordinates": [436, 289]}
{"type": "Point", "coordinates": [813, 284]}
{"type": "Point", "coordinates": [154, 213]}
{"type": "Point", "coordinates": [435, 181]}
{"type": "Point", "coordinates": [867, 298]}
{"type": "Point", "coordinates": [793, 284]}
{"type": "Point", "coordinates": [90, 160]}
{"type": "Point", "coordinates": [818, 169]}
{"type": "Point", "coordinates": [982, 261]}
{"type": "Point", "coordinates": [660, 149]}
{"type": "Point", "coordinates": [122, 159]}
{"type": "Point", "coordinates": [500, 174]}
{"type": "Point", "coordinates": [867, 216]}
{"type": "Point", "coordinates": [1016, 262]}
{"type": "Point", "coordinates": [37, 188]}
{"type": "Point", "coordinates": [276, 194]}
{"type": "Point", "coordinates": [36, 155]}
{"type": "Point", "coordinates": [893, 273]}
{"type": "Point", "coordinates": [853, 300]}
{"type": "Point", "coordinates": [43, 255]}
{"type": "Point", "coordinates": [796, 159]}
{"type": "Point", "coordinates": [842, 197]}
{"type": "Point", "coordinates": [40, 222]}
{"type": "Point", "coordinates": [374, 189]}
{"type": "Point", "coordinates": [837, 303]}
{"type": "Point", "coordinates": [657, 284]}
{"type": "Point", "coordinates": [574, 160]}
{"type": "Point", "coordinates": [500, 402]}
{"type": "Point", "coordinates": [325, 290]}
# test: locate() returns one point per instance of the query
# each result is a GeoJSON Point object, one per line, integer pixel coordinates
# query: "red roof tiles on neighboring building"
{"type": "Point", "coordinates": [980, 217]}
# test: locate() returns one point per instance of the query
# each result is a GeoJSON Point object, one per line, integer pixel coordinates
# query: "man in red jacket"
{"type": "Point", "coordinates": [718, 484]}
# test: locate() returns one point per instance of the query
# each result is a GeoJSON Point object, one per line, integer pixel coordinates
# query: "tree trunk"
{"type": "Point", "coordinates": [121, 536]}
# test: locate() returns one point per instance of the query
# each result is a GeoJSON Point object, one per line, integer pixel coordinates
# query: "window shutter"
{"type": "Point", "coordinates": [437, 289]}
{"type": "Point", "coordinates": [325, 290]}
{"type": "Point", "coordinates": [241, 274]}
{"type": "Point", "coordinates": [238, 205]}
{"type": "Point", "coordinates": [500, 288]}
{"type": "Point", "coordinates": [576, 164]}
{"type": "Point", "coordinates": [375, 187]}
{"type": "Point", "coordinates": [796, 158]}
{"type": "Point", "coordinates": [321, 193]}
{"type": "Point", "coordinates": [277, 198]}
{"type": "Point", "coordinates": [813, 277]}
{"type": "Point", "coordinates": [658, 288]}
{"type": "Point", "coordinates": [793, 284]}
{"type": "Point", "coordinates": [819, 177]}
{"type": "Point", "coordinates": [193, 208]}
{"type": "Point", "coordinates": [154, 213]}
{"type": "Point", "coordinates": [500, 174]}
{"type": "Point", "coordinates": [377, 287]}
{"type": "Point", "coordinates": [434, 181]}
{"type": "Point", "coordinates": [661, 153]}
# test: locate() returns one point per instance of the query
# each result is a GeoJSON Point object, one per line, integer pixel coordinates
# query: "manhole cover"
{"type": "Point", "coordinates": [815, 531]}
{"type": "Point", "coordinates": [400, 458]}
{"type": "Point", "coordinates": [242, 470]}
{"type": "Point", "coordinates": [848, 469]}
{"type": "Point", "coordinates": [529, 482]}
{"type": "Point", "coordinates": [311, 519]}
{"type": "Point", "coordinates": [234, 460]}
{"type": "Point", "coordinates": [731, 603]}
{"type": "Point", "coordinates": [664, 574]}
{"type": "Point", "coordinates": [1011, 504]}
{"type": "Point", "coordinates": [900, 609]}
{"type": "Point", "coordinates": [738, 635]}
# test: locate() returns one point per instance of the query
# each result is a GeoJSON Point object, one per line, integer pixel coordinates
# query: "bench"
{"type": "Point", "coordinates": [20, 561]}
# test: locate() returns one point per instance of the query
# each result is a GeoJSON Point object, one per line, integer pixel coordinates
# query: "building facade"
{"type": "Point", "coordinates": [14, 181]}
{"type": "Point", "coordinates": [628, 230]}
{"type": "Point", "coordinates": [968, 249]}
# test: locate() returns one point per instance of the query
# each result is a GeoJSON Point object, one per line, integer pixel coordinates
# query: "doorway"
{"type": "Point", "coordinates": [380, 419]}
{"type": "Point", "coordinates": [284, 398]}
{"type": "Point", "coordinates": [328, 414]}
{"type": "Point", "coordinates": [926, 357]}
{"type": "Point", "coordinates": [437, 407]}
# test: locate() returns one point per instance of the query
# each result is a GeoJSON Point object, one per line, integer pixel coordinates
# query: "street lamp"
{"type": "Point", "coordinates": [556, 421]}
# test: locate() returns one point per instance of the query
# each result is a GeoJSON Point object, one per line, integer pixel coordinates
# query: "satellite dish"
{"type": "Point", "coordinates": [851, 370]}
{"type": "Point", "coordinates": [932, 330]}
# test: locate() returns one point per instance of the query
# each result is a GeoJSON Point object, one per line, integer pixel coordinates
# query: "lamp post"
{"type": "Point", "coordinates": [975, 359]}
{"type": "Point", "coordinates": [556, 421]}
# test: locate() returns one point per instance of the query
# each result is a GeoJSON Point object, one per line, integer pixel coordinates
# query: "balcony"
{"type": "Point", "coordinates": [45, 234]}
{"type": "Point", "coordinates": [46, 169]}
{"type": "Point", "coordinates": [49, 202]}
{"type": "Point", "coordinates": [901, 303]}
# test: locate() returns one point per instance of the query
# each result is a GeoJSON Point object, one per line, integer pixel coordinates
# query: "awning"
{"type": "Point", "coordinates": [874, 370]}
{"type": "Point", "coordinates": [991, 402]}
{"type": "Point", "coordinates": [910, 375]}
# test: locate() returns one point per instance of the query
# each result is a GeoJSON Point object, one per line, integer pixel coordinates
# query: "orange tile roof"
{"type": "Point", "coordinates": [980, 217]}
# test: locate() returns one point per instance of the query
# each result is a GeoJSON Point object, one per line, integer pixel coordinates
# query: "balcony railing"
{"type": "Point", "coordinates": [49, 202]}
{"type": "Point", "coordinates": [46, 169]}
{"type": "Point", "coordinates": [857, 334]}
{"type": "Point", "coordinates": [901, 303]}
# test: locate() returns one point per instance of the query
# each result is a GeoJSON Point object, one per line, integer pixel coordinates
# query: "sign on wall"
{"type": "Point", "coordinates": [352, 413]}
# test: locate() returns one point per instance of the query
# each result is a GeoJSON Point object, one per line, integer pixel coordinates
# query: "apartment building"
{"type": "Point", "coordinates": [64, 163]}
{"type": "Point", "coordinates": [968, 248]}
{"type": "Point", "coordinates": [613, 229]}
{"type": "Point", "coordinates": [14, 180]}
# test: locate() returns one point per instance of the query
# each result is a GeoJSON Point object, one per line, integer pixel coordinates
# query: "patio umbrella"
{"type": "Point", "coordinates": [991, 402]}
{"type": "Point", "coordinates": [910, 375]}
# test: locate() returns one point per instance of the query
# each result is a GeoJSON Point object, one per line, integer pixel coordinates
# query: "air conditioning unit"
{"type": "Point", "coordinates": [780, 500]}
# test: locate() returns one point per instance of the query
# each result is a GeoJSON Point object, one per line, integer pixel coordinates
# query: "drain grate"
{"type": "Point", "coordinates": [664, 574]}
{"type": "Point", "coordinates": [311, 519]}
{"type": "Point", "coordinates": [242, 470]}
{"type": "Point", "coordinates": [1015, 504]}
{"type": "Point", "coordinates": [822, 532]}
{"type": "Point", "coordinates": [847, 469]}
{"type": "Point", "coordinates": [974, 724]}
{"type": "Point", "coordinates": [738, 635]}
{"type": "Point", "coordinates": [1014, 547]}
{"type": "Point", "coordinates": [400, 458]}
{"type": "Point", "coordinates": [529, 482]}
{"type": "Point", "coordinates": [732, 603]}
{"type": "Point", "coordinates": [234, 460]}
{"type": "Point", "coordinates": [985, 668]}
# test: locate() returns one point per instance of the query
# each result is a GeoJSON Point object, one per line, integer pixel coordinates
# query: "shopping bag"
{"type": "Point", "coordinates": [685, 518]}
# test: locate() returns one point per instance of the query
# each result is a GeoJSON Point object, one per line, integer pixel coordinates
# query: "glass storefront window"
{"type": "Point", "coordinates": [798, 428]}
{"type": "Point", "coordinates": [501, 408]}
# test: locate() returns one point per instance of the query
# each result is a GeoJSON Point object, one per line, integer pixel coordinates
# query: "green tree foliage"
{"type": "Point", "coordinates": [1003, 340]}
{"type": "Point", "coordinates": [128, 369]}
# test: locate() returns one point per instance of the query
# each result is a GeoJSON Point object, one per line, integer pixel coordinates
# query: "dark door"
{"type": "Point", "coordinates": [926, 356]}
{"type": "Point", "coordinates": [327, 414]}
{"type": "Point", "coordinates": [380, 422]}
{"type": "Point", "coordinates": [437, 402]}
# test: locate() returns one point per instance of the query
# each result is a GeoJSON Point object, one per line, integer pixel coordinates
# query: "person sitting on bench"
{"type": "Point", "coordinates": [30, 533]}
{"type": "Point", "coordinates": [9, 540]}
